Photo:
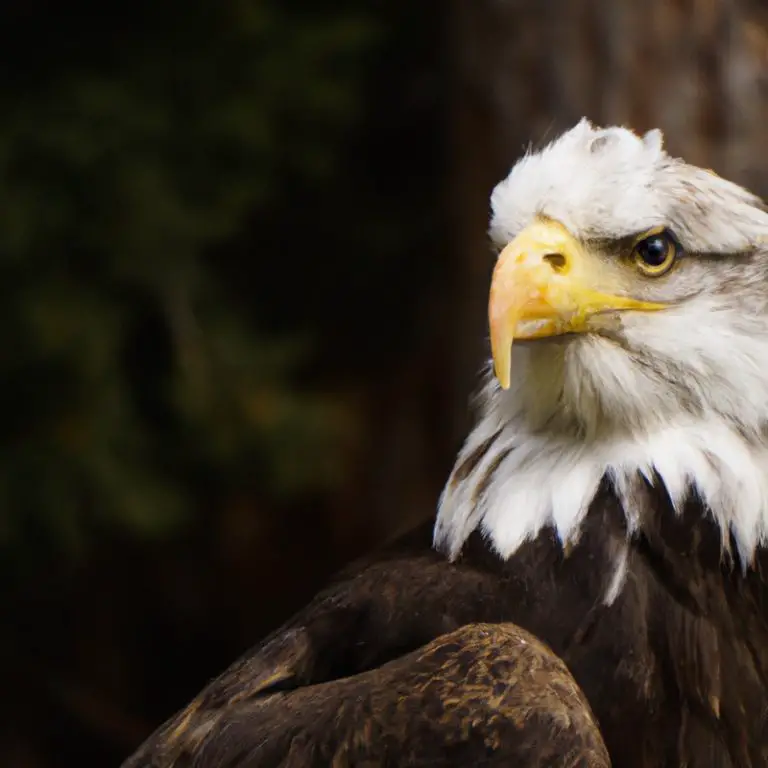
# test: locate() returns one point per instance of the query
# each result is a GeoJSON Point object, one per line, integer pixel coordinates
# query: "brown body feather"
{"type": "Point", "coordinates": [399, 662]}
{"type": "Point", "coordinates": [476, 696]}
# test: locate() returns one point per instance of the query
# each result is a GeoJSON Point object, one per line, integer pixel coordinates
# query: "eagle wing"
{"type": "Point", "coordinates": [482, 695]}
{"type": "Point", "coordinates": [405, 660]}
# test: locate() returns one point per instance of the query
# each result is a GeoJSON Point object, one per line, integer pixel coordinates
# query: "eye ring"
{"type": "Point", "coordinates": [656, 253]}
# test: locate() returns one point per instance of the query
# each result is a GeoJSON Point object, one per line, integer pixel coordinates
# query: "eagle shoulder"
{"type": "Point", "coordinates": [483, 694]}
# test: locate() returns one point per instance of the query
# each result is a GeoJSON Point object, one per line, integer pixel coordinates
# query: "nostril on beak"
{"type": "Point", "coordinates": [555, 260]}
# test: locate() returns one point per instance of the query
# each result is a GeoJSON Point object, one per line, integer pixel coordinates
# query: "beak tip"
{"type": "Point", "coordinates": [501, 350]}
{"type": "Point", "coordinates": [502, 373]}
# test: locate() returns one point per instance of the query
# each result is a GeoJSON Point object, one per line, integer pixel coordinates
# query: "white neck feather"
{"type": "Point", "coordinates": [511, 479]}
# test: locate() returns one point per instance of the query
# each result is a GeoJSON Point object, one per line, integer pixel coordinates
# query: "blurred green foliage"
{"type": "Point", "coordinates": [129, 152]}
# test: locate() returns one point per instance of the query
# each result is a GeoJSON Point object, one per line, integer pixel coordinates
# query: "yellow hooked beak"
{"type": "Point", "coordinates": [543, 285]}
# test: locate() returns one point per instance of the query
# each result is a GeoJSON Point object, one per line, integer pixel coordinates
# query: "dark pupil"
{"type": "Point", "coordinates": [653, 251]}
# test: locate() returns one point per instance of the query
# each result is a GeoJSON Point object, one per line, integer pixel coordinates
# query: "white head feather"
{"type": "Point", "coordinates": [682, 394]}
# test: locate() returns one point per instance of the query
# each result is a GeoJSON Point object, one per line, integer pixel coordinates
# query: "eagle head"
{"type": "Point", "coordinates": [628, 315]}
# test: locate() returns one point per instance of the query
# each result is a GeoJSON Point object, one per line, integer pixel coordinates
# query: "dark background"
{"type": "Point", "coordinates": [243, 272]}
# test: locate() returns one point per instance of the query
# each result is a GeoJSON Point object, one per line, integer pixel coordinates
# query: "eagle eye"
{"type": "Point", "coordinates": [655, 253]}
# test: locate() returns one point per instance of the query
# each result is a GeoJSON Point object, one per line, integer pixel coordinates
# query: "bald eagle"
{"type": "Point", "coordinates": [592, 592]}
